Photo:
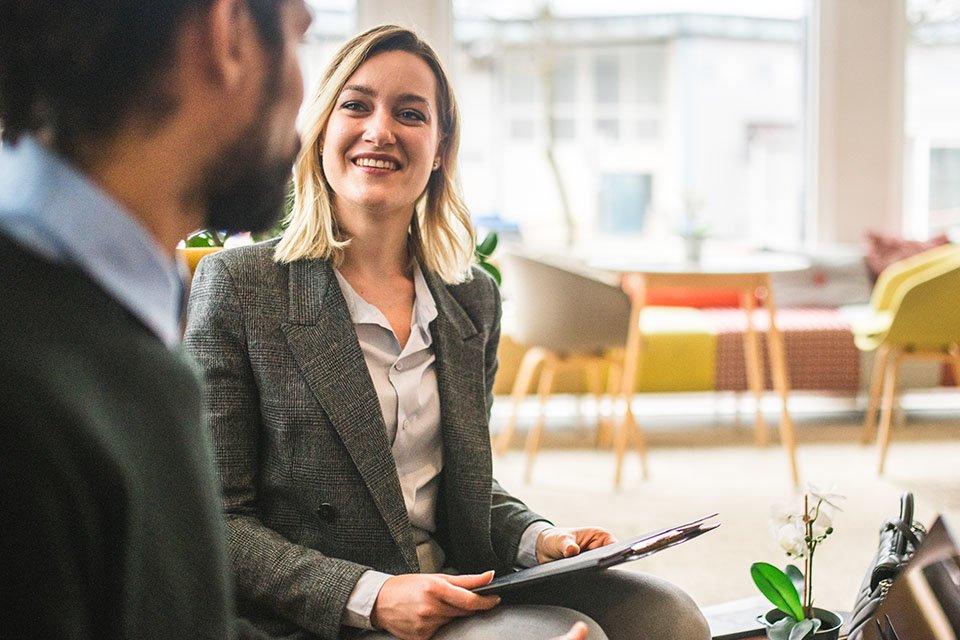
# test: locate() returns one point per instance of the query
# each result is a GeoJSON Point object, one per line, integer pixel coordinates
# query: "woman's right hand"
{"type": "Point", "coordinates": [413, 606]}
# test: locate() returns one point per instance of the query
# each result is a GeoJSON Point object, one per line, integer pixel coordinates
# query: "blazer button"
{"type": "Point", "coordinates": [327, 512]}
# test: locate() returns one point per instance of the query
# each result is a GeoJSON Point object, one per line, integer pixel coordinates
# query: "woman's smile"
{"type": "Point", "coordinates": [376, 163]}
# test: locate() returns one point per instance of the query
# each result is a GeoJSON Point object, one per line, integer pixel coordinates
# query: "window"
{"type": "Point", "coordinates": [624, 200]}
{"type": "Point", "coordinates": [333, 23]}
{"type": "Point", "coordinates": [649, 105]}
{"type": "Point", "coordinates": [606, 78]}
{"type": "Point", "coordinates": [932, 129]}
{"type": "Point", "coordinates": [944, 190]}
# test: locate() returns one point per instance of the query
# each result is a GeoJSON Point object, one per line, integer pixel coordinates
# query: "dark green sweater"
{"type": "Point", "coordinates": [109, 508]}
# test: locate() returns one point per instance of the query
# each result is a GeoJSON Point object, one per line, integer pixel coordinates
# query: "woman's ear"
{"type": "Point", "coordinates": [438, 156]}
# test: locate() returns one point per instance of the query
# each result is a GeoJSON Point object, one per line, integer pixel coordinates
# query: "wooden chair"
{"type": "Point", "coordinates": [914, 315]}
{"type": "Point", "coordinates": [565, 319]}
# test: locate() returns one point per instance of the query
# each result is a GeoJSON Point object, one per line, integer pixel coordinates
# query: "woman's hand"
{"type": "Point", "coordinates": [577, 632]}
{"type": "Point", "coordinates": [413, 606]}
{"type": "Point", "coordinates": [562, 542]}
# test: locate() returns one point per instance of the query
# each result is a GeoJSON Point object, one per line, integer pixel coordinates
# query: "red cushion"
{"type": "Point", "coordinates": [698, 298]}
{"type": "Point", "coordinates": [883, 250]}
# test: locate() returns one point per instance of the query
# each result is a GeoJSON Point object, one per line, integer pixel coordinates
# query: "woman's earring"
{"type": "Point", "coordinates": [436, 164]}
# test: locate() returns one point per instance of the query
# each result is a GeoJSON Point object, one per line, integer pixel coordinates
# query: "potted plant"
{"type": "Point", "coordinates": [693, 230]}
{"type": "Point", "coordinates": [199, 244]}
{"type": "Point", "coordinates": [799, 534]}
{"type": "Point", "coordinates": [483, 251]}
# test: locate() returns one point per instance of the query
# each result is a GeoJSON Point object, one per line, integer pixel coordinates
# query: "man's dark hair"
{"type": "Point", "coordinates": [80, 68]}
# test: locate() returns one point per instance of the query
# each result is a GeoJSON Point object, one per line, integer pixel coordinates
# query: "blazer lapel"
{"type": "Point", "coordinates": [321, 336]}
{"type": "Point", "coordinates": [459, 350]}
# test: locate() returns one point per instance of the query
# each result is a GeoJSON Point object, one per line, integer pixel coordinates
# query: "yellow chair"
{"type": "Point", "coordinates": [914, 315]}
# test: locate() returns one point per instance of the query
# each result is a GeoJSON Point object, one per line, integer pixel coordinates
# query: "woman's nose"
{"type": "Point", "coordinates": [379, 129]}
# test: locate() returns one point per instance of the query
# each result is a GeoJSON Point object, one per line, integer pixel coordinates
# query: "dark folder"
{"type": "Point", "coordinates": [602, 558]}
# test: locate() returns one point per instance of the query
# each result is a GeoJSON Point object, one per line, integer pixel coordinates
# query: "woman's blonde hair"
{"type": "Point", "coordinates": [441, 236]}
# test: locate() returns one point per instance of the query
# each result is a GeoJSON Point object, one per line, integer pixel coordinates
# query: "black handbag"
{"type": "Point", "coordinates": [899, 539]}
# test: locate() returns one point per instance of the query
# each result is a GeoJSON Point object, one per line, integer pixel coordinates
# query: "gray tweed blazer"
{"type": "Point", "coordinates": [310, 487]}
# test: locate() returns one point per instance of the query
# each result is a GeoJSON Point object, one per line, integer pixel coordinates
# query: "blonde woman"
{"type": "Point", "coordinates": [349, 369]}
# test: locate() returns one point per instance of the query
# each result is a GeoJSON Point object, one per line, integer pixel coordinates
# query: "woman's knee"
{"type": "Point", "coordinates": [643, 606]}
{"type": "Point", "coordinates": [520, 622]}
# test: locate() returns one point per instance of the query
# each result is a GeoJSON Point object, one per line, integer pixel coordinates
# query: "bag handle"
{"type": "Point", "coordinates": [906, 521]}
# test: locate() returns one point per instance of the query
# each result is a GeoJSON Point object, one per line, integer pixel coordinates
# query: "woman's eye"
{"type": "Point", "coordinates": [412, 114]}
{"type": "Point", "coordinates": [352, 105]}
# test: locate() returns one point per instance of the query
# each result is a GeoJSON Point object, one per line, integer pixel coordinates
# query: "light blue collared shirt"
{"type": "Point", "coordinates": [53, 210]}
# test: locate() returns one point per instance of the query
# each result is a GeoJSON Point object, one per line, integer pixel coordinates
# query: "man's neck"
{"type": "Point", "coordinates": [150, 183]}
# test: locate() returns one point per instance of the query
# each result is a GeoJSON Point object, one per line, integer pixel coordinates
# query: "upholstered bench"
{"type": "Point", "coordinates": [687, 349]}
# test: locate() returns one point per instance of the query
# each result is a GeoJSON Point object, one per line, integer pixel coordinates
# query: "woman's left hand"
{"type": "Point", "coordinates": [562, 542]}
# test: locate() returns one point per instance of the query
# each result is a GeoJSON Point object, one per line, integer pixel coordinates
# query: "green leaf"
{"type": "Point", "coordinates": [781, 629]}
{"type": "Point", "coordinates": [803, 629]}
{"type": "Point", "coordinates": [796, 576]}
{"type": "Point", "coordinates": [777, 588]}
{"type": "Point", "coordinates": [203, 238]}
{"type": "Point", "coordinates": [488, 245]}
{"type": "Point", "coordinates": [493, 271]}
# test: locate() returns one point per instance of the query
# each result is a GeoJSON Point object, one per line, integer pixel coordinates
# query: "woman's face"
{"type": "Point", "coordinates": [382, 138]}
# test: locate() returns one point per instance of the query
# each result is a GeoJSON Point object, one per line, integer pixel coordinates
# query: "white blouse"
{"type": "Point", "coordinates": [405, 380]}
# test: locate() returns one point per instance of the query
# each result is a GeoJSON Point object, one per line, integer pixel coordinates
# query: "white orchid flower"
{"type": "Point", "coordinates": [823, 522]}
{"type": "Point", "coordinates": [826, 497]}
{"type": "Point", "coordinates": [791, 539]}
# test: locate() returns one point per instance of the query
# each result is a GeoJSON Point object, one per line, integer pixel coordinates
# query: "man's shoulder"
{"type": "Point", "coordinates": [33, 286]}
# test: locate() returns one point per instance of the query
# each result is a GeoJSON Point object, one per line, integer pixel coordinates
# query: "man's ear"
{"type": "Point", "coordinates": [230, 38]}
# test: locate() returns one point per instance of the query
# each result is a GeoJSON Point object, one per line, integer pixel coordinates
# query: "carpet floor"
{"type": "Point", "coordinates": [715, 469]}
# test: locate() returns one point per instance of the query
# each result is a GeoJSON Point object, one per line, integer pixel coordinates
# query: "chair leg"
{"type": "Point", "coordinates": [550, 366]}
{"type": "Point", "coordinates": [754, 367]}
{"type": "Point", "coordinates": [876, 386]}
{"type": "Point", "coordinates": [955, 361]}
{"type": "Point", "coordinates": [781, 382]}
{"type": "Point", "coordinates": [605, 436]}
{"type": "Point", "coordinates": [887, 407]}
{"type": "Point", "coordinates": [593, 376]}
{"type": "Point", "coordinates": [521, 386]}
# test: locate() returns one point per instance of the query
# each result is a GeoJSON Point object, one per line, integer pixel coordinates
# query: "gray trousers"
{"type": "Point", "coordinates": [623, 604]}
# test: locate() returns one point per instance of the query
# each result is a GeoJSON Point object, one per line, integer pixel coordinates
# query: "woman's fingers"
{"type": "Point", "coordinates": [470, 580]}
{"type": "Point", "coordinates": [577, 632]}
{"type": "Point", "coordinates": [466, 601]}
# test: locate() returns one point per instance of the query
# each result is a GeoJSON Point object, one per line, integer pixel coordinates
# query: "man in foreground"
{"type": "Point", "coordinates": [126, 125]}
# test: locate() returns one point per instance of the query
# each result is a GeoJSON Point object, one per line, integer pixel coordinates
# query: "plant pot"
{"type": "Point", "coordinates": [192, 255]}
{"type": "Point", "coordinates": [693, 248]}
{"type": "Point", "coordinates": [830, 623]}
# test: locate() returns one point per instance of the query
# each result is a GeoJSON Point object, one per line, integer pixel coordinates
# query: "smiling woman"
{"type": "Point", "coordinates": [405, 102]}
{"type": "Point", "coordinates": [382, 140]}
{"type": "Point", "coordinates": [349, 372]}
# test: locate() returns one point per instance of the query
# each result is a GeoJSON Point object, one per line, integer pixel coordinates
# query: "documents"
{"type": "Point", "coordinates": [602, 558]}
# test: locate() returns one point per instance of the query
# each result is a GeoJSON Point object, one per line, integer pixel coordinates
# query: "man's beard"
{"type": "Point", "coordinates": [244, 189]}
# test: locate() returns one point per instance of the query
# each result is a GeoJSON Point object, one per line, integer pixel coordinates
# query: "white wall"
{"type": "Point", "coordinates": [431, 19]}
{"type": "Point", "coordinates": [858, 103]}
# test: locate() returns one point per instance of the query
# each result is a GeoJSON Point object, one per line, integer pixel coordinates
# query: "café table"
{"type": "Point", "coordinates": [750, 276]}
